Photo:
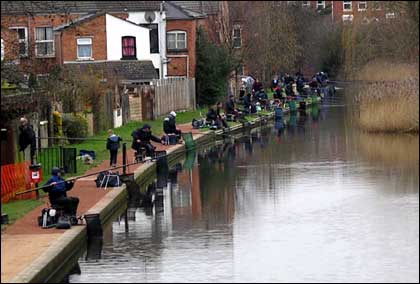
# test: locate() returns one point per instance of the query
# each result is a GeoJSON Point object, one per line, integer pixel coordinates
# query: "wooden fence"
{"type": "Point", "coordinates": [173, 94]}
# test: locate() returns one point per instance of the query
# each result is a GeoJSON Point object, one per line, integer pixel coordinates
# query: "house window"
{"type": "Point", "coordinates": [44, 41]}
{"type": "Point", "coordinates": [240, 71]}
{"type": "Point", "coordinates": [84, 48]}
{"type": "Point", "coordinates": [362, 6]}
{"type": "Point", "coordinates": [2, 49]}
{"type": "Point", "coordinates": [376, 5]}
{"type": "Point", "coordinates": [390, 15]}
{"type": "Point", "coordinates": [347, 6]}
{"type": "Point", "coordinates": [154, 37]}
{"type": "Point", "coordinates": [129, 47]}
{"type": "Point", "coordinates": [22, 37]}
{"type": "Point", "coordinates": [177, 40]}
{"type": "Point", "coordinates": [237, 41]}
{"type": "Point", "coordinates": [320, 5]}
{"type": "Point", "coordinates": [347, 18]}
{"type": "Point", "coordinates": [306, 3]}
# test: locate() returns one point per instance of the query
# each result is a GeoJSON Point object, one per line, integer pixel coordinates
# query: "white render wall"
{"type": "Point", "coordinates": [116, 29]}
{"type": "Point", "coordinates": [159, 60]}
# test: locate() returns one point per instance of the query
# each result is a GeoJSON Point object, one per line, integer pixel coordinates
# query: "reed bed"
{"type": "Point", "coordinates": [390, 101]}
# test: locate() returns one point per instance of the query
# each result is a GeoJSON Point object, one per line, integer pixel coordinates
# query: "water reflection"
{"type": "Point", "coordinates": [307, 199]}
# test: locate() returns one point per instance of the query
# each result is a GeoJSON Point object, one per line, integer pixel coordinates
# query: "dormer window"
{"type": "Point", "coordinates": [129, 47]}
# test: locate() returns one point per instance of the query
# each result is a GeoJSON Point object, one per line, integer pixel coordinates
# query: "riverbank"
{"type": "Point", "coordinates": [24, 243]}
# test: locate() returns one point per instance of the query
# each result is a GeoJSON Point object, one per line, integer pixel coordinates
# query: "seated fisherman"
{"type": "Point", "coordinates": [142, 137]}
{"type": "Point", "coordinates": [169, 125]}
{"type": "Point", "coordinates": [230, 107]}
{"type": "Point", "coordinates": [57, 188]}
{"type": "Point", "coordinates": [214, 118]}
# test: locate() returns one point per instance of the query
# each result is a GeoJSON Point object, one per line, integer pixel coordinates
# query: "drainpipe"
{"type": "Point", "coordinates": [162, 45]}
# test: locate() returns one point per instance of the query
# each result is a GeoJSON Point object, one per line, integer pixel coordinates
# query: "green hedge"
{"type": "Point", "coordinates": [75, 126]}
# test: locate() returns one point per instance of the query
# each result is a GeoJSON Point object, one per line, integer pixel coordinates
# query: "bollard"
{"type": "Point", "coordinates": [94, 226]}
{"type": "Point", "coordinates": [124, 157]}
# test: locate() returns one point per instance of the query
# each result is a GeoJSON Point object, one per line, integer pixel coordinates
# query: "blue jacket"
{"type": "Point", "coordinates": [58, 190]}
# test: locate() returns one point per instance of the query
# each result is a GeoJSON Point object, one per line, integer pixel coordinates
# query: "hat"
{"type": "Point", "coordinates": [146, 126]}
{"type": "Point", "coordinates": [55, 171]}
{"type": "Point", "coordinates": [173, 113]}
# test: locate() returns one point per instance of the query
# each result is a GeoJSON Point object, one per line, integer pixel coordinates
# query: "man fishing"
{"type": "Point", "coordinates": [57, 188]}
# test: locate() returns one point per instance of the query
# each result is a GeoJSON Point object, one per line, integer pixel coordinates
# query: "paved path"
{"type": "Point", "coordinates": [24, 241]}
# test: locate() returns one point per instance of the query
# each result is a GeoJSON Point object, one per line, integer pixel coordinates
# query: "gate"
{"type": "Point", "coordinates": [147, 100]}
{"type": "Point", "coordinates": [61, 157]}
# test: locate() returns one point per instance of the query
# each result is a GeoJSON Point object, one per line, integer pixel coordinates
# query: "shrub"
{"type": "Point", "coordinates": [75, 126]}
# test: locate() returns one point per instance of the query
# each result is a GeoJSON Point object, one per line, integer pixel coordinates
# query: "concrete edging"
{"type": "Point", "coordinates": [61, 250]}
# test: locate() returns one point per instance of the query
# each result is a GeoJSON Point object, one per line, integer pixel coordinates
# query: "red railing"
{"type": "Point", "coordinates": [14, 178]}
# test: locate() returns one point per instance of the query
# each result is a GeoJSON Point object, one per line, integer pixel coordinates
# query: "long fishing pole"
{"type": "Point", "coordinates": [87, 175]}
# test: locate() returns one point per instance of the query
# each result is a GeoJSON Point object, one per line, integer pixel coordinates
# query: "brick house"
{"type": "Point", "coordinates": [27, 30]}
{"type": "Point", "coordinates": [181, 34]}
{"type": "Point", "coordinates": [347, 11]}
{"type": "Point", "coordinates": [183, 20]}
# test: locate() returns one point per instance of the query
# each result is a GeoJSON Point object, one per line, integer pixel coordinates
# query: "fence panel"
{"type": "Point", "coordinates": [57, 157]}
{"type": "Point", "coordinates": [173, 94]}
{"type": "Point", "coordinates": [14, 178]}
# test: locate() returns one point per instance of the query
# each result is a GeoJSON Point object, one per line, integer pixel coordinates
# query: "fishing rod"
{"type": "Point", "coordinates": [77, 138]}
{"type": "Point", "coordinates": [87, 175]}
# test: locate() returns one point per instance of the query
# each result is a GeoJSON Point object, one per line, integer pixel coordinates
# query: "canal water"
{"type": "Point", "coordinates": [305, 199]}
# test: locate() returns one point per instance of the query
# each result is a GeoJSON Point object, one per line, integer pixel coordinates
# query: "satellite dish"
{"type": "Point", "coordinates": [149, 16]}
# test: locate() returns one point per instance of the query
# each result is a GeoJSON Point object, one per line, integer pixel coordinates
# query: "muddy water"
{"type": "Point", "coordinates": [307, 199]}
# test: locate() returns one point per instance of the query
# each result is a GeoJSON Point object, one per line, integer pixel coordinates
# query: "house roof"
{"type": "Point", "coordinates": [129, 70]}
{"type": "Point", "coordinates": [88, 18]}
{"type": "Point", "coordinates": [175, 12]}
{"type": "Point", "coordinates": [77, 21]}
{"type": "Point", "coordinates": [202, 7]}
{"type": "Point", "coordinates": [64, 7]}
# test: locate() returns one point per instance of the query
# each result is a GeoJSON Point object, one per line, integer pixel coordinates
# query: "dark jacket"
{"type": "Point", "coordinates": [113, 142]}
{"type": "Point", "coordinates": [169, 125]}
{"type": "Point", "coordinates": [58, 190]}
{"type": "Point", "coordinates": [144, 138]}
{"type": "Point", "coordinates": [230, 106]}
{"type": "Point", "coordinates": [257, 86]}
{"type": "Point", "coordinates": [211, 114]}
{"type": "Point", "coordinates": [26, 137]}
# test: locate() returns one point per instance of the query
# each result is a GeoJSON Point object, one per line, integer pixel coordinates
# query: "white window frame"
{"type": "Point", "coordinates": [237, 27]}
{"type": "Point", "coordinates": [44, 41]}
{"type": "Point", "coordinates": [347, 3]}
{"type": "Point", "coordinates": [362, 9]}
{"type": "Point", "coordinates": [21, 40]}
{"type": "Point", "coordinates": [320, 4]}
{"type": "Point", "coordinates": [348, 18]}
{"type": "Point", "coordinates": [91, 48]}
{"type": "Point", "coordinates": [390, 15]}
{"type": "Point", "coordinates": [2, 49]}
{"type": "Point", "coordinates": [306, 3]}
{"type": "Point", "coordinates": [177, 32]}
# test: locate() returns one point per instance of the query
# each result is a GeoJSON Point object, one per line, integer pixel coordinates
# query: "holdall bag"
{"type": "Point", "coordinates": [108, 179]}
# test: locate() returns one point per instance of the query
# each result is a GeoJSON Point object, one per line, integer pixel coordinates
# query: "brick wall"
{"type": "Point", "coordinates": [178, 59]}
{"type": "Point", "coordinates": [30, 63]}
{"type": "Point", "coordinates": [95, 29]}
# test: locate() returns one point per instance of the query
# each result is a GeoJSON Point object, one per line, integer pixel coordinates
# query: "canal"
{"type": "Point", "coordinates": [306, 199]}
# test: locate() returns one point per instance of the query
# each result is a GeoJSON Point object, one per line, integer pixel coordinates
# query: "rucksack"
{"type": "Point", "coordinates": [48, 218]}
{"type": "Point", "coordinates": [196, 124]}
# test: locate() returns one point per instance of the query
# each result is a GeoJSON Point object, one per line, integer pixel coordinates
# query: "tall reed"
{"type": "Point", "coordinates": [390, 101]}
